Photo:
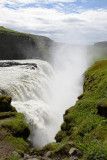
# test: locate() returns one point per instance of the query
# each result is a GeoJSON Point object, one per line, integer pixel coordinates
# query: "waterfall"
{"type": "Point", "coordinates": [42, 94]}
{"type": "Point", "coordinates": [28, 82]}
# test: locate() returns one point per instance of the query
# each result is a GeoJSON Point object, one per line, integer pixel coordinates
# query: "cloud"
{"type": "Point", "coordinates": [83, 1]}
{"type": "Point", "coordinates": [84, 27]}
{"type": "Point", "coordinates": [65, 1]}
{"type": "Point", "coordinates": [24, 2]}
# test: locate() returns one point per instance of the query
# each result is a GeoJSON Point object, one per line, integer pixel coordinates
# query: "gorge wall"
{"type": "Point", "coordinates": [16, 45]}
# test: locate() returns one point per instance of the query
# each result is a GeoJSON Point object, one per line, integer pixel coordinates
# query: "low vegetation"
{"type": "Point", "coordinates": [13, 129]}
{"type": "Point", "coordinates": [86, 122]}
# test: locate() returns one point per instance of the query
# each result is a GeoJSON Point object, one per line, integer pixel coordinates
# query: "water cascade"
{"type": "Point", "coordinates": [42, 94]}
{"type": "Point", "coordinates": [28, 83]}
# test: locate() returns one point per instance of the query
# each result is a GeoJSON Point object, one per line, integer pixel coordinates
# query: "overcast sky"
{"type": "Point", "coordinates": [72, 21]}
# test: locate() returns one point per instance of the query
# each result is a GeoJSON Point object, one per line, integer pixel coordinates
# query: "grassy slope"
{"type": "Point", "coordinates": [16, 45]}
{"type": "Point", "coordinates": [83, 123]}
{"type": "Point", "coordinates": [13, 129]}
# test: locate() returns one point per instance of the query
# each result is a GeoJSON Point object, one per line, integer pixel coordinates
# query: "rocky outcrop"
{"type": "Point", "coordinates": [14, 131]}
{"type": "Point", "coordinates": [5, 104]}
{"type": "Point", "coordinates": [13, 63]}
{"type": "Point", "coordinates": [16, 45]}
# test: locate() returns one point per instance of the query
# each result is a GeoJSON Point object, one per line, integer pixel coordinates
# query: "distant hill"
{"type": "Point", "coordinates": [98, 49]}
{"type": "Point", "coordinates": [101, 44]}
{"type": "Point", "coordinates": [16, 45]}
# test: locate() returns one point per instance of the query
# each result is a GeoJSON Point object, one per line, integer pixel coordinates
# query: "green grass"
{"type": "Point", "coordinates": [4, 115]}
{"type": "Point", "coordinates": [83, 123]}
{"type": "Point", "coordinates": [17, 126]}
{"type": "Point", "coordinates": [13, 157]}
{"type": "Point", "coordinates": [18, 143]}
{"type": "Point", "coordinates": [4, 30]}
{"type": "Point", "coordinates": [14, 130]}
{"type": "Point", "coordinates": [58, 149]}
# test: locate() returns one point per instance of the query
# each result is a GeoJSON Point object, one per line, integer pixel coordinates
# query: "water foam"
{"type": "Point", "coordinates": [43, 95]}
{"type": "Point", "coordinates": [29, 88]}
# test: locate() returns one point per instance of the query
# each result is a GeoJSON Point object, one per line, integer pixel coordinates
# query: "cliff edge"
{"type": "Point", "coordinates": [16, 45]}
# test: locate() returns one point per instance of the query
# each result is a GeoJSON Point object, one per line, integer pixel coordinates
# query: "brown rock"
{"type": "Point", "coordinates": [32, 159]}
{"type": "Point", "coordinates": [102, 107]}
{"type": "Point", "coordinates": [73, 158]}
{"type": "Point", "coordinates": [71, 143]}
{"type": "Point", "coordinates": [16, 154]}
{"type": "Point", "coordinates": [48, 154]}
{"type": "Point", "coordinates": [75, 152]}
{"type": "Point", "coordinates": [26, 156]}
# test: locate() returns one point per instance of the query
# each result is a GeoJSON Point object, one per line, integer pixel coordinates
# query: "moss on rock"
{"type": "Point", "coordinates": [17, 126]}
{"type": "Point", "coordinates": [5, 104]}
{"type": "Point", "coordinates": [14, 131]}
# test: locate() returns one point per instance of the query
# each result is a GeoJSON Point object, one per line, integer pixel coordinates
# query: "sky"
{"type": "Point", "coordinates": [70, 21]}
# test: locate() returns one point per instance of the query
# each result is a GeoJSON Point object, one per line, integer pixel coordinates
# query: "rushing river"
{"type": "Point", "coordinates": [42, 94]}
{"type": "Point", "coordinates": [28, 83]}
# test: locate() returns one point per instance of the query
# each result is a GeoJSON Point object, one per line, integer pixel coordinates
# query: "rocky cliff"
{"type": "Point", "coordinates": [16, 45]}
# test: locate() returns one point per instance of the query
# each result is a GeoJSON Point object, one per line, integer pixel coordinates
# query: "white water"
{"type": "Point", "coordinates": [69, 63]}
{"type": "Point", "coordinates": [43, 96]}
{"type": "Point", "coordinates": [30, 91]}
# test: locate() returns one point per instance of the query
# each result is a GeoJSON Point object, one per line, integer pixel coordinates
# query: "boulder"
{"type": "Point", "coordinates": [71, 143]}
{"type": "Point", "coordinates": [15, 154]}
{"type": "Point", "coordinates": [73, 158]}
{"type": "Point", "coordinates": [45, 158]}
{"type": "Point", "coordinates": [32, 159]}
{"type": "Point", "coordinates": [102, 107]}
{"type": "Point", "coordinates": [5, 104]}
{"type": "Point", "coordinates": [75, 152]}
{"type": "Point", "coordinates": [48, 154]}
{"type": "Point", "coordinates": [26, 156]}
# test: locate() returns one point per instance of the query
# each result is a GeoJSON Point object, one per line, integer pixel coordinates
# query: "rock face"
{"type": "Point", "coordinates": [16, 45]}
{"type": "Point", "coordinates": [13, 130]}
{"type": "Point", "coordinates": [5, 105]}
